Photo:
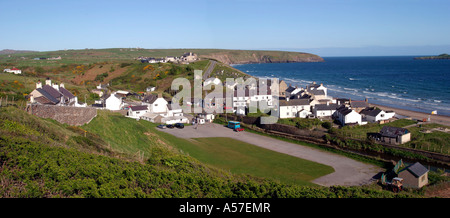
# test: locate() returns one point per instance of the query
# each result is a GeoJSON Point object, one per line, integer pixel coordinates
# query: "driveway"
{"type": "Point", "coordinates": [348, 172]}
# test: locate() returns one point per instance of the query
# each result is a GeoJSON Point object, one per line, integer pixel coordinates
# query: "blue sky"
{"type": "Point", "coordinates": [325, 27]}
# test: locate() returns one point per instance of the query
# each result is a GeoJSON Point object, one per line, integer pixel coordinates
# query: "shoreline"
{"type": "Point", "coordinates": [434, 118]}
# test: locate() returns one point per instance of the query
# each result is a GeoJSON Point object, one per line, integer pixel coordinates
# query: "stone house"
{"type": "Point", "coordinates": [414, 175]}
{"type": "Point", "coordinates": [394, 135]}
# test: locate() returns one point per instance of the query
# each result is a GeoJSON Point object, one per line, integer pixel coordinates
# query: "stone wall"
{"type": "Point", "coordinates": [74, 116]}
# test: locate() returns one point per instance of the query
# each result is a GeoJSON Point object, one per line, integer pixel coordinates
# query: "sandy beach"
{"type": "Point", "coordinates": [434, 118]}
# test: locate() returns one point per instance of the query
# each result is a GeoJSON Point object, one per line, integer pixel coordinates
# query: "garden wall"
{"type": "Point", "coordinates": [74, 116]}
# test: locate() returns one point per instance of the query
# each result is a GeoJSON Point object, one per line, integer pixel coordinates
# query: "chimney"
{"type": "Point", "coordinates": [366, 100]}
{"type": "Point", "coordinates": [314, 82]}
{"type": "Point", "coordinates": [62, 85]}
{"type": "Point", "coordinates": [38, 84]}
{"type": "Point", "coordinates": [321, 84]}
{"type": "Point", "coordinates": [159, 95]}
{"type": "Point", "coordinates": [55, 86]}
{"type": "Point", "coordinates": [287, 99]}
{"type": "Point", "coordinates": [48, 82]}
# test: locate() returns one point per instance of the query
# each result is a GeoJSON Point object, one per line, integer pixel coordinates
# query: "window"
{"type": "Point", "coordinates": [156, 105]}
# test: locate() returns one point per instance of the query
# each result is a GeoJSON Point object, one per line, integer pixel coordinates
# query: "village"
{"type": "Point", "coordinates": [309, 102]}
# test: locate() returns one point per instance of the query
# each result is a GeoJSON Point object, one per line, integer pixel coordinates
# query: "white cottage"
{"type": "Point", "coordinates": [347, 116]}
{"type": "Point", "coordinates": [373, 114]}
{"type": "Point", "coordinates": [137, 111]}
{"type": "Point", "coordinates": [113, 102]}
{"type": "Point", "coordinates": [291, 108]}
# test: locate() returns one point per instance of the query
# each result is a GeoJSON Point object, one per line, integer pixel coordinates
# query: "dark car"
{"type": "Point", "coordinates": [170, 126]}
{"type": "Point", "coordinates": [162, 126]}
{"type": "Point", "coordinates": [179, 125]}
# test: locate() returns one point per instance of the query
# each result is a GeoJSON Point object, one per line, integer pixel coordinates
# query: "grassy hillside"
{"type": "Point", "coordinates": [59, 161]}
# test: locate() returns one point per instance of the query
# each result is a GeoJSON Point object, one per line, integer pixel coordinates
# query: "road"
{"type": "Point", "coordinates": [208, 71]}
{"type": "Point", "coordinates": [348, 172]}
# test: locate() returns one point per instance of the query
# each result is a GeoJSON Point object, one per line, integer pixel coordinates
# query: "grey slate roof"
{"type": "Point", "coordinates": [393, 132]}
{"type": "Point", "coordinates": [371, 111]}
{"type": "Point", "coordinates": [290, 89]}
{"type": "Point", "coordinates": [66, 93]}
{"type": "Point", "coordinates": [359, 104]}
{"type": "Point", "coordinates": [294, 102]}
{"type": "Point", "coordinates": [326, 107]}
{"type": "Point", "coordinates": [139, 108]}
{"type": "Point", "coordinates": [317, 92]}
{"type": "Point", "coordinates": [53, 92]}
{"type": "Point", "coordinates": [48, 95]}
{"type": "Point", "coordinates": [344, 110]}
{"type": "Point", "coordinates": [150, 99]}
{"type": "Point", "coordinates": [416, 169]}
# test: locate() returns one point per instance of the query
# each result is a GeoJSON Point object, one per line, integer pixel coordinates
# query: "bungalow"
{"type": "Point", "coordinates": [13, 70]}
{"type": "Point", "coordinates": [414, 175]}
{"type": "Point", "coordinates": [394, 135]}
{"type": "Point", "coordinates": [294, 108]}
{"type": "Point", "coordinates": [347, 116]}
{"type": "Point", "coordinates": [137, 111]}
{"type": "Point", "coordinates": [373, 114]}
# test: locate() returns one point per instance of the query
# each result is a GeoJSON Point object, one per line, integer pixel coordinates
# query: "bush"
{"type": "Point", "coordinates": [326, 125]}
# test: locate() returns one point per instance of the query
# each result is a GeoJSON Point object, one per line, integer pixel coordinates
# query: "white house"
{"type": "Point", "coordinates": [347, 116]}
{"type": "Point", "coordinates": [160, 111]}
{"type": "Point", "coordinates": [291, 108]}
{"type": "Point", "coordinates": [13, 70]}
{"type": "Point", "coordinates": [159, 105]}
{"type": "Point", "coordinates": [137, 111]}
{"type": "Point", "coordinates": [113, 102]}
{"type": "Point", "coordinates": [373, 114]}
{"type": "Point", "coordinates": [324, 110]}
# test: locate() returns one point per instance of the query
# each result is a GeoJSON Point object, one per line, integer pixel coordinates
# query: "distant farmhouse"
{"type": "Point", "coordinates": [13, 70]}
{"type": "Point", "coordinates": [185, 58]}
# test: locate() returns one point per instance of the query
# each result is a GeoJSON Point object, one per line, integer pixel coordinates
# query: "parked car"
{"type": "Point", "coordinates": [239, 129]}
{"type": "Point", "coordinates": [170, 126]}
{"type": "Point", "coordinates": [179, 125]}
{"type": "Point", "coordinates": [162, 126]}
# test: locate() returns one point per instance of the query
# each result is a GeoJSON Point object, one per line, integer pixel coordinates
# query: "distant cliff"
{"type": "Point", "coordinates": [252, 56]}
{"type": "Point", "coordinates": [441, 56]}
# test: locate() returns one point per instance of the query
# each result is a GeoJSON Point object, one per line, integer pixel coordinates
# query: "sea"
{"type": "Point", "coordinates": [398, 81]}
